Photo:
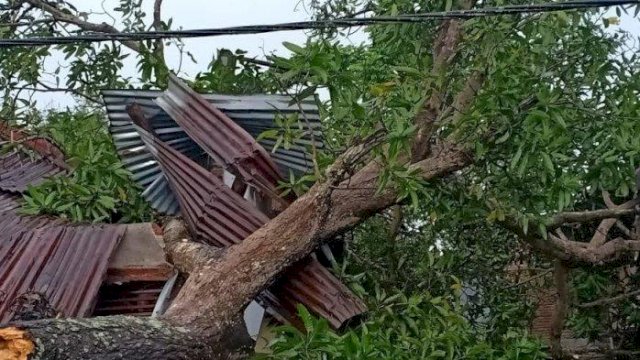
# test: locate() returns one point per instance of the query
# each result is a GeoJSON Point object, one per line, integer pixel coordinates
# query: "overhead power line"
{"type": "Point", "coordinates": [318, 24]}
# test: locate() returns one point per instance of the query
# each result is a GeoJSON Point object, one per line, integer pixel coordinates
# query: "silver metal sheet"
{"type": "Point", "coordinates": [254, 113]}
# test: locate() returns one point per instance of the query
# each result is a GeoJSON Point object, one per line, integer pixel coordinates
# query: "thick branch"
{"type": "Point", "coordinates": [251, 266]}
{"type": "Point", "coordinates": [186, 255]}
{"type": "Point", "coordinates": [463, 100]}
{"type": "Point", "coordinates": [158, 50]}
{"type": "Point", "coordinates": [600, 236]}
{"type": "Point", "coordinates": [575, 253]}
{"type": "Point", "coordinates": [588, 216]}
{"type": "Point", "coordinates": [444, 50]}
{"type": "Point", "coordinates": [561, 277]}
{"type": "Point", "coordinates": [115, 337]}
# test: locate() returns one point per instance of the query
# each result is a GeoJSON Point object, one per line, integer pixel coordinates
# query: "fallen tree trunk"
{"type": "Point", "coordinates": [220, 284]}
{"type": "Point", "coordinates": [117, 337]}
{"type": "Point", "coordinates": [321, 214]}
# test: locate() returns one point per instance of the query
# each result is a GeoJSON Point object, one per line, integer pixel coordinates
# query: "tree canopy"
{"type": "Point", "coordinates": [482, 143]}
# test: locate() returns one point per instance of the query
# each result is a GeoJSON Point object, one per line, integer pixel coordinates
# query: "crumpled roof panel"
{"type": "Point", "coordinates": [18, 171]}
{"type": "Point", "coordinates": [225, 141]}
{"type": "Point", "coordinates": [254, 113]}
{"type": "Point", "coordinates": [221, 217]}
{"type": "Point", "coordinates": [65, 263]}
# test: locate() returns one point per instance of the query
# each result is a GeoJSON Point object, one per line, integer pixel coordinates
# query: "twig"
{"type": "Point", "coordinates": [535, 277]}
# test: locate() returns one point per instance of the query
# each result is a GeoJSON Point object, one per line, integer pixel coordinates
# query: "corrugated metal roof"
{"type": "Point", "coordinates": [219, 216]}
{"type": "Point", "coordinates": [254, 113]}
{"type": "Point", "coordinates": [18, 171]}
{"type": "Point", "coordinates": [65, 263]}
{"type": "Point", "coordinates": [137, 298]}
{"type": "Point", "coordinates": [317, 288]}
{"type": "Point", "coordinates": [226, 142]}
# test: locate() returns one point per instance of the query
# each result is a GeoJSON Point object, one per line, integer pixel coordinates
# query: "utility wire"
{"type": "Point", "coordinates": [317, 24]}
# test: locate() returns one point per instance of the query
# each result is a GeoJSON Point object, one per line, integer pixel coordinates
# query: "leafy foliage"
{"type": "Point", "coordinates": [231, 73]}
{"type": "Point", "coordinates": [553, 124]}
{"type": "Point", "coordinates": [620, 321]}
{"type": "Point", "coordinates": [401, 328]}
{"type": "Point", "coordinates": [98, 188]}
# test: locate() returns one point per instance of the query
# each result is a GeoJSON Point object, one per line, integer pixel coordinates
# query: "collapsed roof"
{"type": "Point", "coordinates": [168, 157]}
{"type": "Point", "coordinates": [66, 263]}
{"type": "Point", "coordinates": [60, 264]}
{"type": "Point", "coordinates": [253, 113]}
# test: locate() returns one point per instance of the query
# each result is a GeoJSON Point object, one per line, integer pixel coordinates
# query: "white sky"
{"type": "Point", "coordinates": [194, 14]}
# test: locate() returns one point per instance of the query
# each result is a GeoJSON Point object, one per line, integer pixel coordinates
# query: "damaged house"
{"type": "Point", "coordinates": [195, 156]}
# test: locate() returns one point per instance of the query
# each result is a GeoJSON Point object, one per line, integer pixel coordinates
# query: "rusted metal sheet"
{"type": "Point", "coordinates": [318, 289]}
{"type": "Point", "coordinates": [216, 214]}
{"type": "Point", "coordinates": [64, 263]}
{"type": "Point", "coordinates": [225, 141]}
{"type": "Point", "coordinates": [219, 216]}
{"type": "Point", "coordinates": [18, 171]}
{"type": "Point", "coordinates": [254, 113]}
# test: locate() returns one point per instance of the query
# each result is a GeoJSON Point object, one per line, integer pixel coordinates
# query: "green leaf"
{"type": "Point", "coordinates": [548, 163]}
{"type": "Point", "coordinates": [268, 134]}
{"type": "Point", "coordinates": [503, 138]}
{"type": "Point", "coordinates": [293, 48]}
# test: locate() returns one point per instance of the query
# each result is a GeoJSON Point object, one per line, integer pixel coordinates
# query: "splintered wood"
{"type": "Point", "coordinates": [15, 344]}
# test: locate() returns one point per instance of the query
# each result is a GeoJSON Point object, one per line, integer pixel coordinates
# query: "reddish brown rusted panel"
{"type": "Point", "coordinates": [137, 298]}
{"type": "Point", "coordinates": [219, 136]}
{"type": "Point", "coordinates": [221, 217]}
{"type": "Point", "coordinates": [18, 171]}
{"type": "Point", "coordinates": [317, 288]}
{"type": "Point", "coordinates": [216, 214]}
{"type": "Point", "coordinates": [65, 263]}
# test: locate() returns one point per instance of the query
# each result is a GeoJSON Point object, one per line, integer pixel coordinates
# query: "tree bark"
{"type": "Point", "coordinates": [561, 278]}
{"type": "Point", "coordinates": [117, 337]}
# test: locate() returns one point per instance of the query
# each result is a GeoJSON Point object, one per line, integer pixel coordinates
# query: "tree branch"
{"type": "Point", "coordinates": [186, 255]}
{"type": "Point", "coordinates": [588, 216]}
{"type": "Point", "coordinates": [561, 277]}
{"type": "Point", "coordinates": [463, 100]}
{"type": "Point", "coordinates": [118, 337]}
{"type": "Point", "coordinates": [157, 25]}
{"type": "Point", "coordinates": [610, 300]}
{"type": "Point", "coordinates": [600, 236]}
{"type": "Point", "coordinates": [575, 253]}
{"type": "Point", "coordinates": [444, 50]}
